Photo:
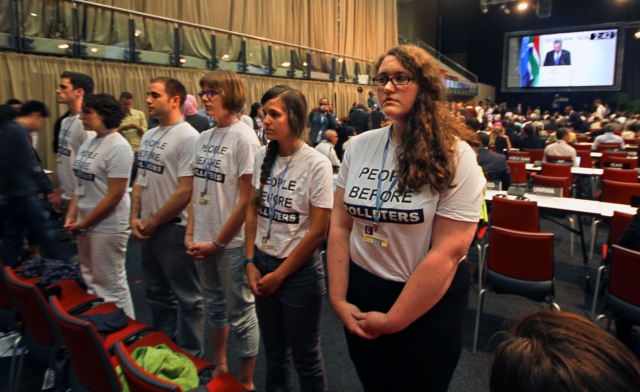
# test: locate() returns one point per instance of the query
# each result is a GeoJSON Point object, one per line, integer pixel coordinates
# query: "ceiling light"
{"type": "Point", "coordinates": [33, 14]}
{"type": "Point", "coordinates": [63, 46]}
{"type": "Point", "coordinates": [94, 50]}
{"type": "Point", "coordinates": [637, 34]}
{"type": "Point", "coordinates": [285, 64]}
{"type": "Point", "coordinates": [137, 32]}
{"type": "Point", "coordinates": [225, 56]}
{"type": "Point", "coordinates": [523, 6]}
{"type": "Point", "coordinates": [505, 9]}
{"type": "Point", "coordinates": [304, 63]}
{"type": "Point", "coordinates": [340, 60]}
{"type": "Point", "coordinates": [182, 60]}
{"type": "Point", "coordinates": [484, 8]}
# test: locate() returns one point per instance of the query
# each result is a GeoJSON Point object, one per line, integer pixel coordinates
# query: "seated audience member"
{"type": "Point", "coordinates": [596, 124]}
{"type": "Point", "coordinates": [359, 118]}
{"type": "Point", "coordinates": [513, 133]}
{"type": "Point", "coordinates": [191, 116]}
{"type": "Point", "coordinates": [552, 124]}
{"type": "Point", "coordinates": [632, 131]}
{"type": "Point", "coordinates": [573, 138]}
{"type": "Point", "coordinates": [327, 146]}
{"type": "Point", "coordinates": [561, 147]}
{"type": "Point", "coordinates": [608, 137]}
{"type": "Point", "coordinates": [473, 124]}
{"type": "Point", "coordinates": [531, 140]}
{"type": "Point", "coordinates": [499, 140]}
{"type": "Point", "coordinates": [494, 164]}
{"type": "Point", "coordinates": [598, 131]}
{"type": "Point", "coordinates": [559, 351]}
{"type": "Point", "coordinates": [351, 132]}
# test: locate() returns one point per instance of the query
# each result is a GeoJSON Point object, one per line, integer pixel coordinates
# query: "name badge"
{"type": "Point", "coordinates": [267, 244]}
{"type": "Point", "coordinates": [204, 200]}
{"type": "Point", "coordinates": [143, 180]}
{"type": "Point", "coordinates": [80, 190]}
{"type": "Point", "coordinates": [374, 237]}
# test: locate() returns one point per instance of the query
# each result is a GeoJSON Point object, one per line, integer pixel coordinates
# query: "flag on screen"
{"type": "Point", "coordinates": [529, 66]}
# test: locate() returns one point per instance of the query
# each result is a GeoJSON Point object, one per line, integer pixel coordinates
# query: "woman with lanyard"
{"type": "Point", "coordinates": [257, 114]}
{"type": "Point", "coordinates": [406, 208]}
{"type": "Point", "coordinates": [223, 168]}
{"type": "Point", "coordinates": [284, 228]}
{"type": "Point", "coordinates": [99, 210]}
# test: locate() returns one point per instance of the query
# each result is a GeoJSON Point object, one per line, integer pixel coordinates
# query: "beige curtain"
{"type": "Point", "coordinates": [28, 77]}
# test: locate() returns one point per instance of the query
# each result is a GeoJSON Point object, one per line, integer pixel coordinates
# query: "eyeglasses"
{"type": "Point", "coordinates": [399, 80]}
{"type": "Point", "coordinates": [209, 93]}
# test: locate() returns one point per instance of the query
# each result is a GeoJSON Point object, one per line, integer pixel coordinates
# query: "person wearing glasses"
{"type": "Point", "coordinates": [99, 210]}
{"type": "Point", "coordinates": [223, 167]}
{"type": "Point", "coordinates": [407, 204]}
{"type": "Point", "coordinates": [285, 226]}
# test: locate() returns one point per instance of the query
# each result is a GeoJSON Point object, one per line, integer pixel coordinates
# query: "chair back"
{"type": "Point", "coordinates": [632, 162]}
{"type": "Point", "coordinates": [556, 170]}
{"type": "Point", "coordinates": [536, 154]}
{"type": "Point", "coordinates": [623, 296]}
{"type": "Point", "coordinates": [585, 158]}
{"type": "Point", "coordinates": [521, 255]}
{"type": "Point", "coordinates": [138, 379]}
{"type": "Point", "coordinates": [582, 138]}
{"type": "Point", "coordinates": [619, 192]}
{"type": "Point", "coordinates": [554, 182]}
{"type": "Point", "coordinates": [518, 172]}
{"type": "Point", "coordinates": [606, 156]}
{"type": "Point", "coordinates": [515, 214]}
{"type": "Point", "coordinates": [632, 142]}
{"type": "Point", "coordinates": [33, 308]}
{"type": "Point", "coordinates": [90, 361]}
{"type": "Point", "coordinates": [582, 147]}
{"type": "Point", "coordinates": [552, 158]}
{"type": "Point", "coordinates": [620, 175]}
{"type": "Point", "coordinates": [619, 223]}
{"type": "Point", "coordinates": [602, 147]}
{"type": "Point", "coordinates": [522, 154]}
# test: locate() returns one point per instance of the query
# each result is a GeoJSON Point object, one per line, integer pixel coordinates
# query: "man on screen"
{"type": "Point", "coordinates": [558, 56]}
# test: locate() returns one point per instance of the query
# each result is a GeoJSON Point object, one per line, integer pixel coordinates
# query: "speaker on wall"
{"type": "Point", "coordinates": [544, 9]}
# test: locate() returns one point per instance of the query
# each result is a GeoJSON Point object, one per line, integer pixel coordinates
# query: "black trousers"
{"type": "Point", "coordinates": [423, 356]}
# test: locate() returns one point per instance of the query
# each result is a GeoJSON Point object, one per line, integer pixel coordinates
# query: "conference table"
{"type": "Point", "coordinates": [554, 206]}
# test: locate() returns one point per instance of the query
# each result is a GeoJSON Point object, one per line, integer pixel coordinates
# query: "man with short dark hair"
{"type": "Point", "coordinates": [561, 147]}
{"type": "Point", "coordinates": [159, 199]}
{"type": "Point", "coordinates": [73, 87]}
{"type": "Point", "coordinates": [134, 124]}
{"type": "Point", "coordinates": [22, 178]}
{"type": "Point", "coordinates": [494, 164]}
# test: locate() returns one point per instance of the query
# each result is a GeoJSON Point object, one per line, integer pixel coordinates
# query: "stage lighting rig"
{"type": "Point", "coordinates": [542, 7]}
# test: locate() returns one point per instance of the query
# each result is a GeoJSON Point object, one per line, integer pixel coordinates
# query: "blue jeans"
{"type": "Point", "coordinates": [290, 326]}
{"type": "Point", "coordinates": [173, 283]}
{"type": "Point", "coordinates": [229, 300]}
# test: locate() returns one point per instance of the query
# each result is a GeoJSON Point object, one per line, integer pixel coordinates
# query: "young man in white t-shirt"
{"type": "Point", "coordinates": [159, 200]}
{"type": "Point", "coordinates": [73, 87]}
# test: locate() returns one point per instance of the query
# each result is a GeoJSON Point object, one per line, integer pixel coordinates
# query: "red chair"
{"type": "Point", "coordinates": [552, 158]}
{"type": "Point", "coordinates": [622, 300]}
{"type": "Point", "coordinates": [585, 158]}
{"type": "Point", "coordinates": [519, 215]}
{"type": "Point", "coordinates": [557, 170]}
{"type": "Point", "coordinates": [632, 162]}
{"type": "Point", "coordinates": [535, 154]}
{"type": "Point", "coordinates": [92, 363]}
{"type": "Point", "coordinates": [606, 156]}
{"type": "Point", "coordinates": [140, 380]}
{"type": "Point", "coordinates": [519, 263]}
{"type": "Point", "coordinates": [631, 142]}
{"type": "Point", "coordinates": [619, 192]}
{"type": "Point", "coordinates": [619, 223]}
{"type": "Point", "coordinates": [582, 147]}
{"type": "Point", "coordinates": [518, 172]}
{"type": "Point", "coordinates": [620, 175]}
{"type": "Point", "coordinates": [554, 182]}
{"type": "Point", "coordinates": [520, 154]}
{"type": "Point", "coordinates": [582, 138]}
{"type": "Point", "coordinates": [602, 147]}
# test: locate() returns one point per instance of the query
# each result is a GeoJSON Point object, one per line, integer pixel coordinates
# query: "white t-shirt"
{"type": "Point", "coordinates": [247, 120]}
{"type": "Point", "coordinates": [407, 219]}
{"type": "Point", "coordinates": [327, 149]}
{"type": "Point", "coordinates": [96, 162]}
{"type": "Point", "coordinates": [235, 157]}
{"type": "Point", "coordinates": [169, 160]}
{"type": "Point", "coordinates": [71, 137]}
{"type": "Point", "coordinates": [308, 182]}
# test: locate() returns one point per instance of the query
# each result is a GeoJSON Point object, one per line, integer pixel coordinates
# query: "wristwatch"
{"type": "Point", "coordinates": [219, 245]}
{"type": "Point", "coordinates": [251, 260]}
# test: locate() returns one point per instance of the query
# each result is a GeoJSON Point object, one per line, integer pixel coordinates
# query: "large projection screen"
{"type": "Point", "coordinates": [582, 58]}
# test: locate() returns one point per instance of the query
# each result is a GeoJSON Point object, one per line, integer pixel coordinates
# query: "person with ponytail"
{"type": "Point", "coordinates": [285, 226]}
{"type": "Point", "coordinates": [407, 204]}
{"type": "Point", "coordinates": [223, 167]}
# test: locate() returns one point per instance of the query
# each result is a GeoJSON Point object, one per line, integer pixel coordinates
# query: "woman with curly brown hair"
{"type": "Point", "coordinates": [406, 208]}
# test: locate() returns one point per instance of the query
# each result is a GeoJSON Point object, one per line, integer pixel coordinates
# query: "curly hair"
{"type": "Point", "coordinates": [106, 107]}
{"type": "Point", "coordinates": [427, 153]}
{"type": "Point", "coordinates": [295, 104]}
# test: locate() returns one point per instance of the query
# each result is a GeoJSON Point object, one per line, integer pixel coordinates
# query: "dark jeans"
{"type": "Point", "coordinates": [423, 356]}
{"type": "Point", "coordinates": [289, 322]}
{"type": "Point", "coordinates": [20, 216]}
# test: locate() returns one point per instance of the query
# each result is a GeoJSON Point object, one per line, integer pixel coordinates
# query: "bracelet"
{"type": "Point", "coordinates": [218, 245]}
{"type": "Point", "coordinates": [249, 261]}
